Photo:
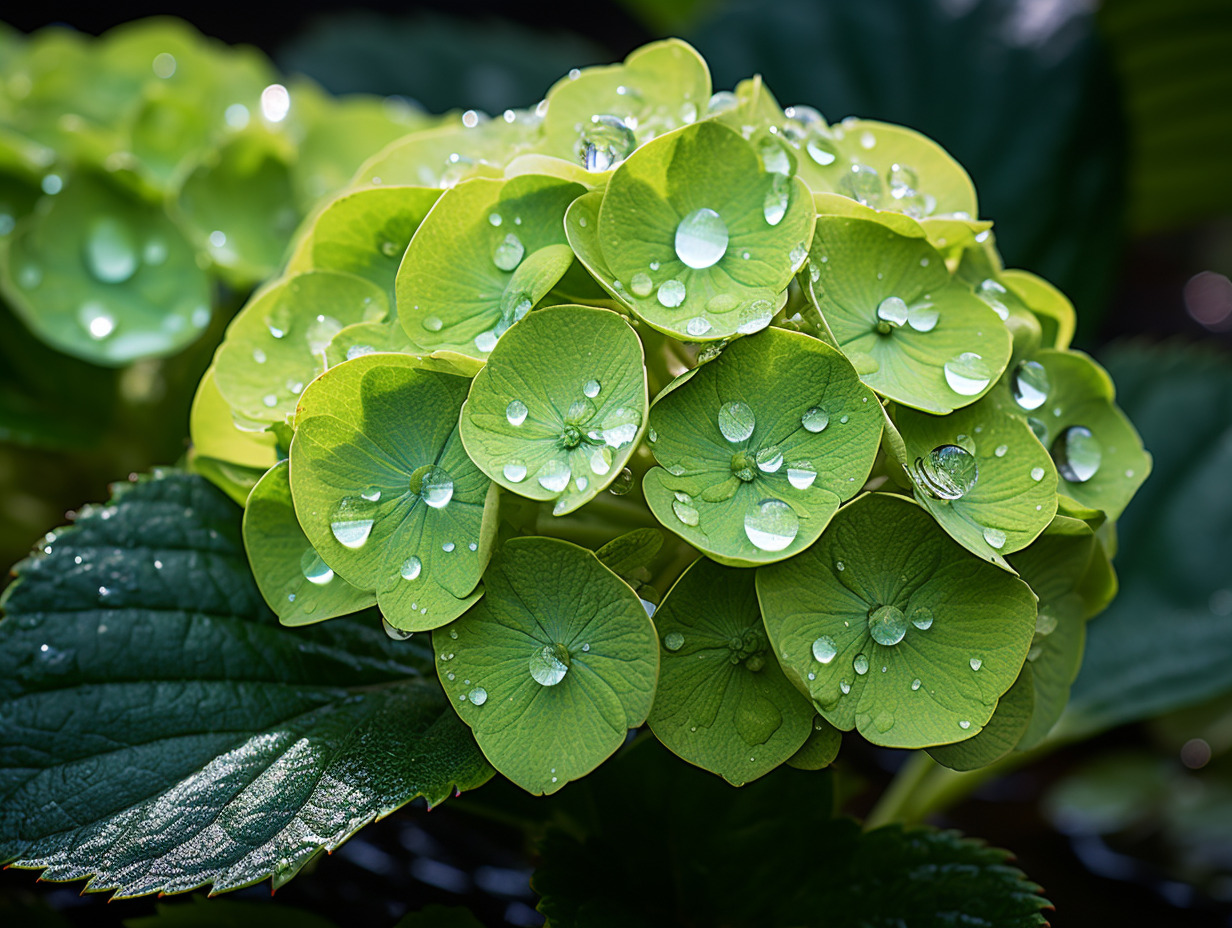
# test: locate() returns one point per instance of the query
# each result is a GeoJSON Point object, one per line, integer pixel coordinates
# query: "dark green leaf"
{"type": "Point", "coordinates": [161, 731]}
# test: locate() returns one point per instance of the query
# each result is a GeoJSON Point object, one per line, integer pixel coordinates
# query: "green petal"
{"type": "Point", "coordinates": [562, 431]}
{"type": "Point", "coordinates": [104, 277]}
{"type": "Point", "coordinates": [553, 666]}
{"type": "Point", "coordinates": [701, 241]}
{"type": "Point", "coordinates": [487, 252]}
{"type": "Point", "coordinates": [385, 492]}
{"type": "Point", "coordinates": [892, 628]}
{"type": "Point", "coordinates": [277, 344]}
{"type": "Point", "coordinates": [916, 336]}
{"type": "Point", "coordinates": [785, 411]}
{"type": "Point", "coordinates": [723, 702]}
{"type": "Point", "coordinates": [296, 584]}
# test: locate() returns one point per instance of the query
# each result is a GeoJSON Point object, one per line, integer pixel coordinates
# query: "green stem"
{"type": "Point", "coordinates": [896, 802]}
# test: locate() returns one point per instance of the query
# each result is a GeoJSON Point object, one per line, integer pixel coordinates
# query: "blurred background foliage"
{"type": "Point", "coordinates": [1099, 138]}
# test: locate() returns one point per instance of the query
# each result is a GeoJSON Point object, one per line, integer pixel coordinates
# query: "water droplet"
{"type": "Point", "coordinates": [641, 284]}
{"type": "Point", "coordinates": [815, 419]}
{"type": "Point", "coordinates": [619, 427]}
{"type": "Point", "coordinates": [755, 316]}
{"type": "Point", "coordinates": [96, 320]}
{"type": "Point", "coordinates": [478, 696]}
{"type": "Point", "coordinates": [591, 388]}
{"type": "Point", "coordinates": [769, 460]}
{"type": "Point", "coordinates": [771, 525]}
{"type": "Point", "coordinates": [844, 686]}
{"type": "Point", "coordinates": [1030, 384]}
{"type": "Point", "coordinates": [433, 484]}
{"type": "Point", "coordinates": [991, 292]}
{"type": "Point", "coordinates": [671, 293]}
{"type": "Point", "coordinates": [397, 634]}
{"type": "Point", "coordinates": [275, 103]}
{"type": "Point", "coordinates": [554, 476]}
{"type": "Point", "coordinates": [682, 506]}
{"type": "Point", "coordinates": [52, 184]}
{"type": "Point", "coordinates": [605, 142]}
{"type": "Point", "coordinates": [923, 317]}
{"type": "Point", "coordinates": [892, 310]}
{"type": "Point", "coordinates": [867, 140]}
{"type": "Point", "coordinates": [948, 472]}
{"type": "Point", "coordinates": [432, 323]}
{"type": "Point", "coordinates": [903, 181]}
{"type": "Point", "coordinates": [967, 374]}
{"type": "Point", "coordinates": [736, 421]}
{"type": "Point", "coordinates": [622, 484]}
{"type": "Point", "coordinates": [824, 649]}
{"type": "Point", "coordinates": [860, 664]}
{"type": "Point", "coordinates": [777, 199]}
{"type": "Point", "coordinates": [601, 460]}
{"type": "Point", "coordinates": [1037, 474]}
{"type": "Point", "coordinates": [701, 238]}
{"type": "Point", "coordinates": [351, 522]}
{"type": "Point", "coordinates": [515, 471]}
{"type": "Point", "coordinates": [508, 252]}
{"type": "Point", "coordinates": [697, 326]}
{"type": "Point", "coordinates": [887, 625]}
{"type": "Point", "coordinates": [673, 641]}
{"type": "Point", "coordinates": [495, 219]}
{"type": "Point", "coordinates": [549, 664]}
{"type": "Point", "coordinates": [922, 618]}
{"type": "Point", "coordinates": [516, 412]}
{"type": "Point", "coordinates": [111, 254]}
{"type": "Point", "coordinates": [801, 474]}
{"type": "Point", "coordinates": [821, 150]}
{"type": "Point", "coordinates": [964, 724]}
{"type": "Point", "coordinates": [976, 663]}
{"type": "Point", "coordinates": [863, 184]}
{"type": "Point", "coordinates": [580, 412]}
{"type": "Point", "coordinates": [314, 569]}
{"type": "Point", "coordinates": [410, 568]}
{"type": "Point", "coordinates": [1077, 453]}
{"type": "Point", "coordinates": [995, 538]}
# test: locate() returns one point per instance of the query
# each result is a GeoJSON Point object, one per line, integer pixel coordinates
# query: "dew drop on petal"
{"type": "Point", "coordinates": [410, 568]}
{"type": "Point", "coordinates": [514, 471]}
{"type": "Point", "coordinates": [314, 569]}
{"type": "Point", "coordinates": [815, 419]}
{"type": "Point", "coordinates": [508, 252]}
{"type": "Point", "coordinates": [736, 421]}
{"type": "Point", "coordinates": [887, 625]}
{"type": "Point", "coordinates": [701, 238]}
{"type": "Point", "coordinates": [771, 525]}
{"type": "Point", "coordinates": [673, 641]}
{"type": "Point", "coordinates": [948, 472]}
{"type": "Point", "coordinates": [671, 293]}
{"type": "Point", "coordinates": [1030, 385]}
{"type": "Point", "coordinates": [824, 649]}
{"type": "Point", "coordinates": [554, 476]}
{"type": "Point", "coordinates": [967, 373]}
{"type": "Point", "coordinates": [1077, 453]}
{"type": "Point", "coordinates": [516, 412]}
{"type": "Point", "coordinates": [548, 666]}
{"type": "Point", "coordinates": [995, 538]}
{"type": "Point", "coordinates": [801, 474]}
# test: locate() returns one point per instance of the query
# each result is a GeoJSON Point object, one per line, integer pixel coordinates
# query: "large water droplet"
{"type": "Point", "coordinates": [435, 486]}
{"type": "Point", "coordinates": [478, 696]}
{"type": "Point", "coordinates": [774, 159]}
{"type": "Point", "coordinates": [887, 625]}
{"type": "Point", "coordinates": [923, 317]}
{"type": "Point", "coordinates": [601, 460]}
{"type": "Point", "coordinates": [698, 326]}
{"type": "Point", "coordinates": [605, 142]}
{"type": "Point", "coordinates": [922, 618]}
{"type": "Point", "coordinates": [903, 181]}
{"type": "Point", "coordinates": [893, 311]}
{"type": "Point", "coordinates": [673, 641]}
{"type": "Point", "coordinates": [352, 520]}
{"type": "Point", "coordinates": [554, 476]}
{"type": "Point", "coordinates": [508, 252]}
{"type": "Point", "coordinates": [515, 471]}
{"type": "Point", "coordinates": [736, 421]}
{"type": "Point", "coordinates": [821, 150]}
{"type": "Point", "coordinates": [755, 316]}
{"type": "Point", "coordinates": [1030, 384]}
{"type": "Point", "coordinates": [815, 419]}
{"type": "Point", "coordinates": [314, 569]}
{"type": "Point", "coordinates": [824, 649]}
{"type": "Point", "coordinates": [397, 634]}
{"type": "Point", "coordinates": [801, 474]}
{"type": "Point", "coordinates": [771, 525]}
{"type": "Point", "coordinates": [516, 412]}
{"type": "Point", "coordinates": [863, 184]}
{"type": "Point", "coordinates": [682, 506]}
{"type": "Point", "coordinates": [991, 293]}
{"type": "Point", "coordinates": [701, 238]}
{"type": "Point", "coordinates": [860, 664]}
{"type": "Point", "coordinates": [623, 483]}
{"type": "Point", "coordinates": [671, 293]}
{"type": "Point", "coordinates": [948, 472]}
{"type": "Point", "coordinates": [111, 254]}
{"type": "Point", "coordinates": [410, 568]}
{"type": "Point", "coordinates": [619, 427]}
{"type": "Point", "coordinates": [995, 538]}
{"type": "Point", "coordinates": [1077, 453]}
{"type": "Point", "coordinates": [591, 388]}
{"type": "Point", "coordinates": [769, 460]}
{"type": "Point", "coordinates": [777, 199]}
{"type": "Point", "coordinates": [549, 664]}
{"type": "Point", "coordinates": [967, 374]}
{"type": "Point", "coordinates": [641, 284]}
